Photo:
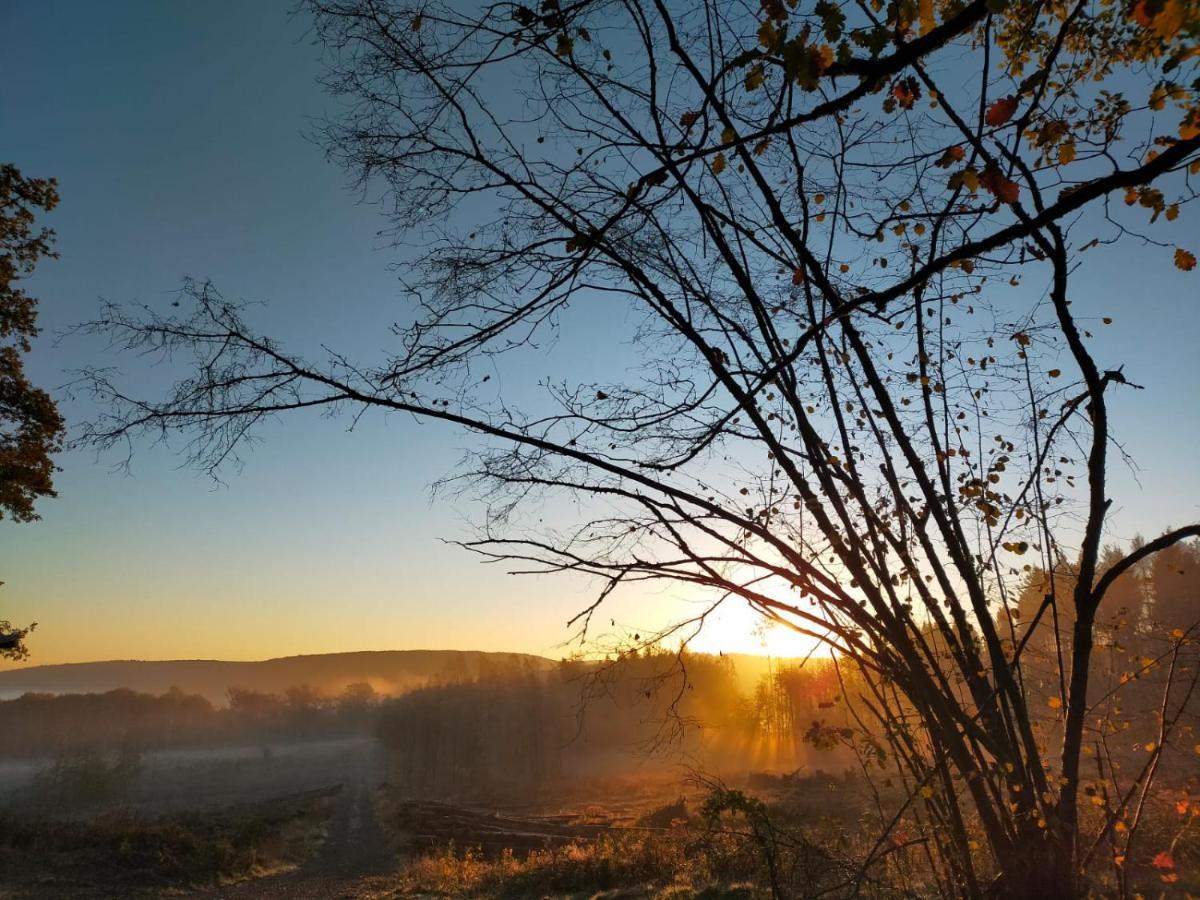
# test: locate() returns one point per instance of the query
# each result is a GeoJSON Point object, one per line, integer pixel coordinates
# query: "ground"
{"type": "Point", "coordinates": [350, 863]}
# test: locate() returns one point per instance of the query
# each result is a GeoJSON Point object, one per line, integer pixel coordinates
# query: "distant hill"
{"type": "Point", "coordinates": [388, 671]}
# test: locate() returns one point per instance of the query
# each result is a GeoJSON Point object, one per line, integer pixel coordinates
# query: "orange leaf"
{"type": "Point", "coordinates": [904, 93]}
{"type": "Point", "coordinates": [925, 13]}
{"type": "Point", "coordinates": [950, 157]}
{"type": "Point", "coordinates": [1001, 111]}
{"type": "Point", "coordinates": [1184, 260]}
{"type": "Point", "coordinates": [1006, 191]}
{"type": "Point", "coordinates": [798, 276]}
{"type": "Point", "coordinates": [1164, 860]}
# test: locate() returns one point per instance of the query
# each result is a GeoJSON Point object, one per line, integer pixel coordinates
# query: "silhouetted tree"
{"type": "Point", "coordinates": [31, 429]}
{"type": "Point", "coordinates": [845, 410]}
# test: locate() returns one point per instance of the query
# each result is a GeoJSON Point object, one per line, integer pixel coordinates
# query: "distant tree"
{"type": "Point", "coordinates": [862, 400]}
{"type": "Point", "coordinates": [31, 429]}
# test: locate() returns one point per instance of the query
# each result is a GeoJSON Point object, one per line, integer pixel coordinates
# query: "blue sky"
{"type": "Point", "coordinates": [177, 134]}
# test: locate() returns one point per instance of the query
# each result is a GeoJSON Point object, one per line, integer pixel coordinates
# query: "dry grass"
{"type": "Point", "coordinates": [623, 864]}
{"type": "Point", "coordinates": [127, 855]}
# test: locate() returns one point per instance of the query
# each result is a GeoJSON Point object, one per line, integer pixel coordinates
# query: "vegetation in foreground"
{"type": "Point", "coordinates": [125, 855]}
{"type": "Point", "coordinates": [791, 842]}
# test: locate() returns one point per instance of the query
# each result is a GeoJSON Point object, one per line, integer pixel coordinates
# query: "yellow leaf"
{"type": "Point", "coordinates": [1150, 747]}
{"type": "Point", "coordinates": [925, 12]}
{"type": "Point", "coordinates": [926, 792]}
{"type": "Point", "coordinates": [1177, 633]}
{"type": "Point", "coordinates": [1097, 800]}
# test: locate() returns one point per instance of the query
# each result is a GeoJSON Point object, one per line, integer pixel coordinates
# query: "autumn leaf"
{"type": "Point", "coordinates": [1164, 860]}
{"type": "Point", "coordinates": [1005, 190]}
{"type": "Point", "coordinates": [967, 178]}
{"type": "Point", "coordinates": [416, 23]}
{"type": "Point", "coordinates": [798, 276]}
{"type": "Point", "coordinates": [906, 92]}
{"type": "Point", "coordinates": [1184, 259]}
{"type": "Point", "coordinates": [1190, 126]}
{"type": "Point", "coordinates": [1000, 111]}
{"type": "Point", "coordinates": [1053, 702]}
{"type": "Point", "coordinates": [1066, 152]}
{"type": "Point", "coordinates": [688, 119]}
{"type": "Point", "coordinates": [950, 157]}
{"type": "Point", "coordinates": [755, 77]}
{"type": "Point", "coordinates": [718, 164]}
{"type": "Point", "coordinates": [1165, 19]}
{"type": "Point", "coordinates": [925, 12]}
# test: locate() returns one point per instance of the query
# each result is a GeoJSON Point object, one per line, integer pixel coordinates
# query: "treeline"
{"type": "Point", "coordinates": [524, 728]}
{"type": "Point", "coordinates": [47, 724]}
{"type": "Point", "coordinates": [1147, 651]}
{"type": "Point", "coordinates": [519, 727]}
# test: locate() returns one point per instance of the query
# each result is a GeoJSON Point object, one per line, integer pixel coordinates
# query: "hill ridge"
{"type": "Point", "coordinates": [388, 671]}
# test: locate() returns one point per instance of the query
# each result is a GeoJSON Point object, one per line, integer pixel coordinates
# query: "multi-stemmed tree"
{"type": "Point", "coordinates": [864, 402]}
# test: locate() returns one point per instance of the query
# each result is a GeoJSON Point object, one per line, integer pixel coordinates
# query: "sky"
{"type": "Point", "coordinates": [177, 132]}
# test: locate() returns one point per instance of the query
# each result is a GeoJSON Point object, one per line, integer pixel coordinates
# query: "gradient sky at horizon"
{"type": "Point", "coordinates": [176, 132]}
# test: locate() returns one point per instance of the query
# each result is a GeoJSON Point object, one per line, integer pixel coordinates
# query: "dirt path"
{"type": "Point", "coordinates": [351, 863]}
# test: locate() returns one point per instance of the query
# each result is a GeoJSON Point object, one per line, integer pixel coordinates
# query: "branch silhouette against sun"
{"type": "Point", "coordinates": [864, 403]}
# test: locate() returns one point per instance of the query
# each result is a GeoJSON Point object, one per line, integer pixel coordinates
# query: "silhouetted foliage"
{"type": "Point", "coordinates": [31, 429]}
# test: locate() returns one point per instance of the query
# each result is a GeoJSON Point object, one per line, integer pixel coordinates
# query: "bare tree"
{"type": "Point", "coordinates": [866, 406]}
